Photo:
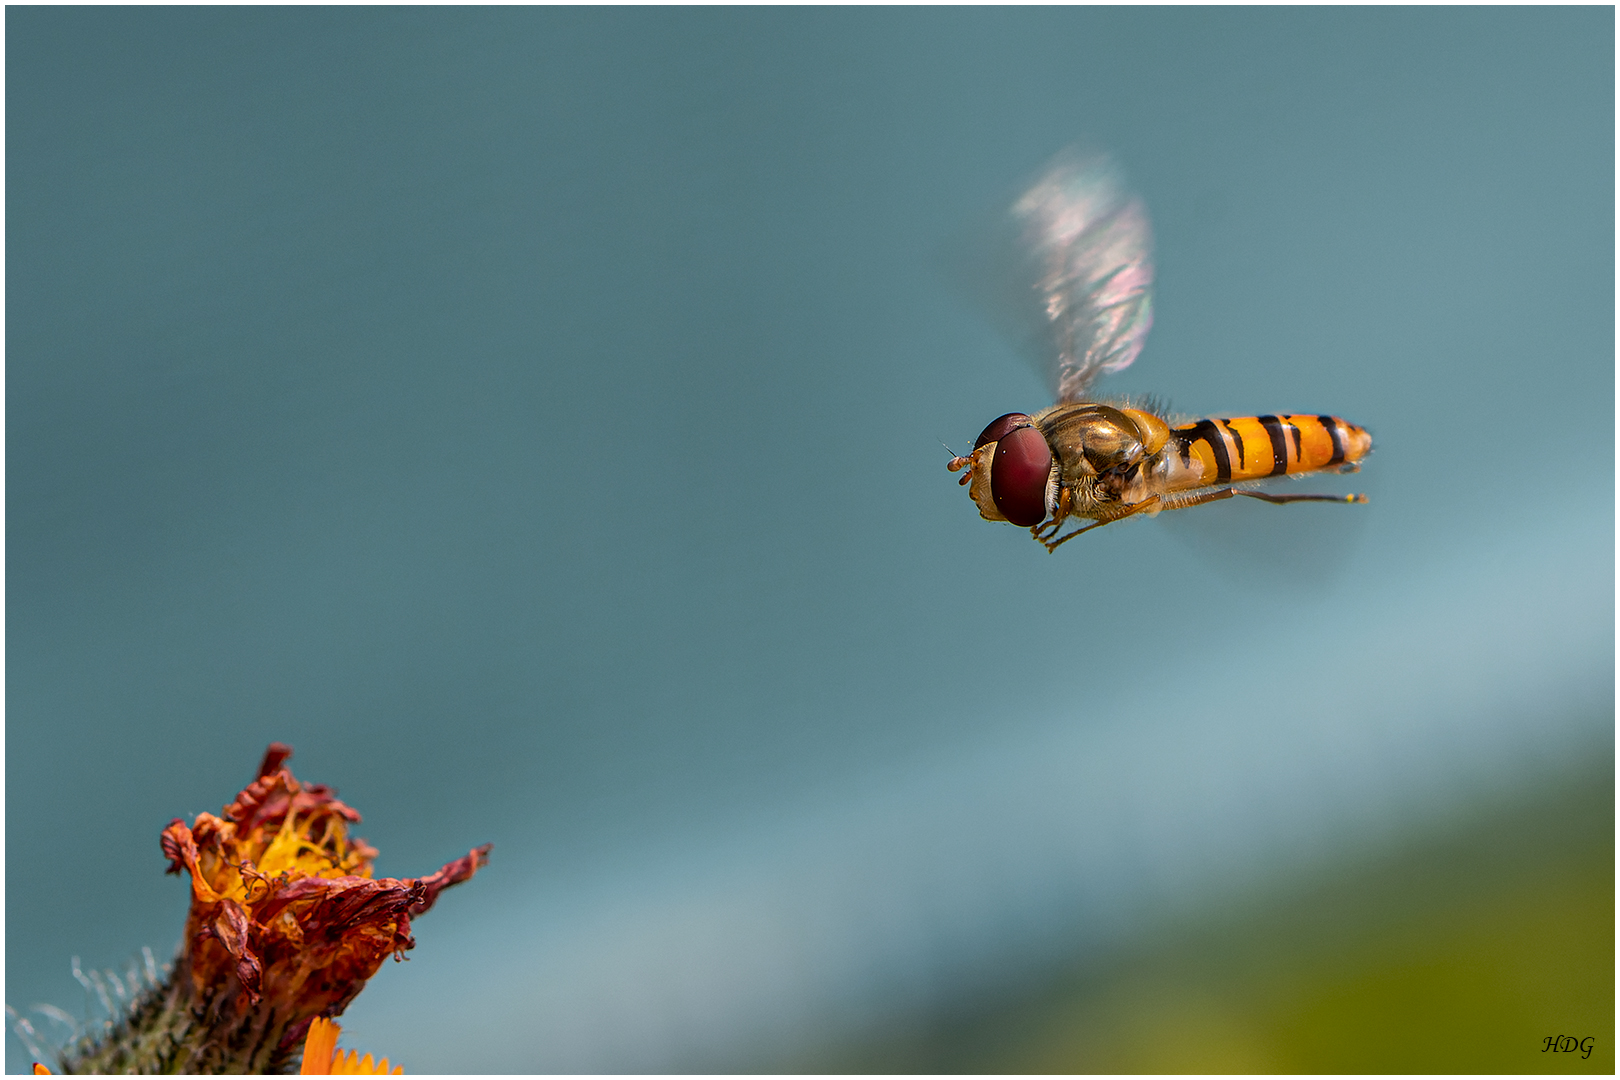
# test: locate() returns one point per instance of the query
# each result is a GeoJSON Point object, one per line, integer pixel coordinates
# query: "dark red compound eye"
{"type": "Point", "coordinates": [1018, 475]}
{"type": "Point", "coordinates": [999, 427]}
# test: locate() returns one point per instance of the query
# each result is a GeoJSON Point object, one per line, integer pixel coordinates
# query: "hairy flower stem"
{"type": "Point", "coordinates": [167, 1030]}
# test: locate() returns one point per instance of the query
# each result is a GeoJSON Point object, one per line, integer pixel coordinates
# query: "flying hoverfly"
{"type": "Point", "coordinates": [1088, 246]}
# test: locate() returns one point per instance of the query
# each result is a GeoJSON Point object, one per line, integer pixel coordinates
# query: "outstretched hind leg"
{"type": "Point", "coordinates": [1266, 497]}
{"type": "Point", "coordinates": [1181, 502]}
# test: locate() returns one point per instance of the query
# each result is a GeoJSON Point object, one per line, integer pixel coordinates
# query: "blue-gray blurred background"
{"type": "Point", "coordinates": [534, 417]}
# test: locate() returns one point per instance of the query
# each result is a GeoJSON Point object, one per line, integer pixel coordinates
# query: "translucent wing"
{"type": "Point", "coordinates": [1090, 247]}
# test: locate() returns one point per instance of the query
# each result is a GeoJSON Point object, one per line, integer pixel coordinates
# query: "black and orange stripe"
{"type": "Point", "coordinates": [1255, 447]}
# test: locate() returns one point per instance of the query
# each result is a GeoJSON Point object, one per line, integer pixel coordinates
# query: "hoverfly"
{"type": "Point", "coordinates": [1088, 244]}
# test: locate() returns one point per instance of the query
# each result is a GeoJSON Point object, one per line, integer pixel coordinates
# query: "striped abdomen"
{"type": "Point", "coordinates": [1216, 451]}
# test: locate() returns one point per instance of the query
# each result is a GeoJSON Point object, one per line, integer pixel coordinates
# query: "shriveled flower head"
{"type": "Point", "coordinates": [286, 921]}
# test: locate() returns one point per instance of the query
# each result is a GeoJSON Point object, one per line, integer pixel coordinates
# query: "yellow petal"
{"type": "Point", "coordinates": [319, 1047]}
{"type": "Point", "coordinates": [352, 1064]}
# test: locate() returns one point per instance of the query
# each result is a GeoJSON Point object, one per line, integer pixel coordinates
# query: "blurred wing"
{"type": "Point", "coordinates": [1090, 244]}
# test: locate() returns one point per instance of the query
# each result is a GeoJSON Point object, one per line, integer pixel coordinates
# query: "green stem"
{"type": "Point", "coordinates": [166, 1031]}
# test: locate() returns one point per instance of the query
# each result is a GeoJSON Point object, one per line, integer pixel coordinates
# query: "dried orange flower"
{"type": "Point", "coordinates": [286, 926]}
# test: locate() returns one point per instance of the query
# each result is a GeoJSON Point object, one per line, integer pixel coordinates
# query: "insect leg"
{"type": "Point", "coordinates": [1181, 502]}
{"type": "Point", "coordinates": [1154, 502]}
{"type": "Point", "coordinates": [1303, 498]}
{"type": "Point", "coordinates": [1052, 545]}
{"type": "Point", "coordinates": [1050, 528]}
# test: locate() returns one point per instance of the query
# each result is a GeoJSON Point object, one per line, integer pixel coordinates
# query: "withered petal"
{"type": "Point", "coordinates": [210, 831]}
{"type": "Point", "coordinates": [371, 901]}
{"type": "Point", "coordinates": [319, 796]}
{"type": "Point", "coordinates": [182, 852]}
{"type": "Point", "coordinates": [277, 753]}
{"type": "Point", "coordinates": [250, 804]}
{"type": "Point", "coordinates": [232, 928]}
{"type": "Point", "coordinates": [274, 796]}
{"type": "Point", "coordinates": [178, 847]}
{"type": "Point", "coordinates": [451, 873]}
